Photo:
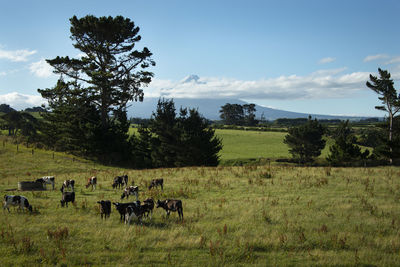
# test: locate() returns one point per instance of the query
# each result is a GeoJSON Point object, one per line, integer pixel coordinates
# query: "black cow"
{"type": "Point", "coordinates": [20, 201]}
{"type": "Point", "coordinates": [148, 206]}
{"type": "Point", "coordinates": [67, 197]}
{"type": "Point", "coordinates": [105, 208]}
{"type": "Point", "coordinates": [171, 205]}
{"type": "Point", "coordinates": [120, 181]}
{"type": "Point", "coordinates": [121, 208]}
{"type": "Point", "coordinates": [157, 182]}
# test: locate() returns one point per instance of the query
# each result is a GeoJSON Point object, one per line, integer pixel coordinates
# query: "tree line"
{"type": "Point", "coordinates": [306, 141]}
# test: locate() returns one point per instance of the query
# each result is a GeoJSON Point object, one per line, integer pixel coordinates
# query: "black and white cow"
{"type": "Point", "coordinates": [20, 201]}
{"type": "Point", "coordinates": [171, 205]}
{"type": "Point", "coordinates": [120, 181]}
{"type": "Point", "coordinates": [92, 181]}
{"type": "Point", "coordinates": [121, 208]}
{"type": "Point", "coordinates": [131, 190]}
{"type": "Point", "coordinates": [68, 183]}
{"type": "Point", "coordinates": [157, 182]}
{"type": "Point", "coordinates": [134, 211]}
{"type": "Point", "coordinates": [67, 197]}
{"type": "Point", "coordinates": [47, 180]}
{"type": "Point", "coordinates": [105, 208]}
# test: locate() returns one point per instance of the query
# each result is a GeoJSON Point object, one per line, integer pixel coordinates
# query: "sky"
{"type": "Point", "coordinates": [304, 56]}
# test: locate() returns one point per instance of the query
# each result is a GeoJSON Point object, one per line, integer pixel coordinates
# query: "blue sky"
{"type": "Point", "coordinates": [303, 56]}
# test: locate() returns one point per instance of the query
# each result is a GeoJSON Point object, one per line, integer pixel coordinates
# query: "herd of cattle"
{"type": "Point", "coordinates": [128, 211]}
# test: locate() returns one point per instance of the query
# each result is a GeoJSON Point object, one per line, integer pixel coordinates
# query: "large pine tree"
{"type": "Point", "coordinates": [109, 74]}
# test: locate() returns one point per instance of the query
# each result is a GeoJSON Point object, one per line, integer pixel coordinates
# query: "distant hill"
{"type": "Point", "coordinates": [209, 108]}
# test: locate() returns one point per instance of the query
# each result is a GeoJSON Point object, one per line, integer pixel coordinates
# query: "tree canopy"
{"type": "Point", "coordinates": [345, 150]}
{"type": "Point", "coordinates": [109, 73]}
{"type": "Point", "coordinates": [184, 140]}
{"type": "Point", "coordinates": [305, 141]}
{"type": "Point", "coordinates": [384, 87]}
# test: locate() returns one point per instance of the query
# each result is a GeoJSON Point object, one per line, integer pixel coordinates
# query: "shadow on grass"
{"type": "Point", "coordinates": [151, 224]}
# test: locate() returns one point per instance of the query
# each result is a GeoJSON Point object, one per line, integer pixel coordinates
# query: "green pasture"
{"type": "Point", "coordinates": [253, 144]}
{"type": "Point", "coordinates": [233, 216]}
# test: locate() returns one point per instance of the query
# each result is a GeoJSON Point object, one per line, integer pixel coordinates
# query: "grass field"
{"type": "Point", "coordinates": [234, 216]}
{"type": "Point", "coordinates": [252, 144]}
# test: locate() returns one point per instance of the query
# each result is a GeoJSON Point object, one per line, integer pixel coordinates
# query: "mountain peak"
{"type": "Point", "coordinates": [191, 78]}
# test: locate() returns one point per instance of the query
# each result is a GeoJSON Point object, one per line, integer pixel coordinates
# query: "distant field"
{"type": "Point", "coordinates": [252, 144]}
{"type": "Point", "coordinates": [240, 144]}
{"type": "Point", "coordinates": [234, 216]}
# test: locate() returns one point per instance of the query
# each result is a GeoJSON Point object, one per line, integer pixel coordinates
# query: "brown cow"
{"type": "Point", "coordinates": [171, 205]}
{"type": "Point", "coordinates": [92, 181]}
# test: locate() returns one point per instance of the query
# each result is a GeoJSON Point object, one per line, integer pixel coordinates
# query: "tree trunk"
{"type": "Point", "coordinates": [390, 136]}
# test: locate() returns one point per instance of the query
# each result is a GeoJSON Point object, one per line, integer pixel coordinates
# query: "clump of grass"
{"type": "Point", "coordinates": [58, 234]}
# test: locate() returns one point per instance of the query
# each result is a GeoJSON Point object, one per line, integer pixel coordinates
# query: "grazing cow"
{"type": "Point", "coordinates": [92, 181]}
{"type": "Point", "coordinates": [68, 183]}
{"type": "Point", "coordinates": [171, 205]}
{"type": "Point", "coordinates": [134, 211]}
{"type": "Point", "coordinates": [20, 201]}
{"type": "Point", "coordinates": [47, 180]}
{"type": "Point", "coordinates": [148, 206]}
{"type": "Point", "coordinates": [105, 208]}
{"type": "Point", "coordinates": [120, 181]}
{"type": "Point", "coordinates": [157, 182]}
{"type": "Point", "coordinates": [131, 190]}
{"type": "Point", "coordinates": [121, 208]}
{"type": "Point", "coordinates": [67, 197]}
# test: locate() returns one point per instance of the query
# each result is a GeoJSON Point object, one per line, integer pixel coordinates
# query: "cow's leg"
{"type": "Point", "coordinates": [6, 207]}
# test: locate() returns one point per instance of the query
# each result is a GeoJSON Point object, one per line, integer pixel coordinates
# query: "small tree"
{"type": "Point", "coordinates": [165, 144]}
{"type": "Point", "coordinates": [186, 140]}
{"type": "Point", "coordinates": [305, 141]}
{"type": "Point", "coordinates": [384, 87]}
{"type": "Point", "coordinates": [232, 114]}
{"type": "Point", "coordinates": [249, 114]}
{"type": "Point", "coordinates": [201, 146]}
{"type": "Point", "coordinates": [344, 150]}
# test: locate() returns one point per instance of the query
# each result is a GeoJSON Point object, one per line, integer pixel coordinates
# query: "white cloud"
{"type": "Point", "coordinates": [21, 101]}
{"type": "Point", "coordinates": [326, 60]}
{"type": "Point", "coordinates": [393, 60]}
{"type": "Point", "coordinates": [41, 69]}
{"type": "Point", "coordinates": [320, 84]}
{"type": "Point", "coordinates": [16, 55]}
{"type": "Point", "coordinates": [375, 57]}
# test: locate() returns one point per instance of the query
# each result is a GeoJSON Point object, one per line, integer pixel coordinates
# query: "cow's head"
{"type": "Point", "coordinates": [62, 202]}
